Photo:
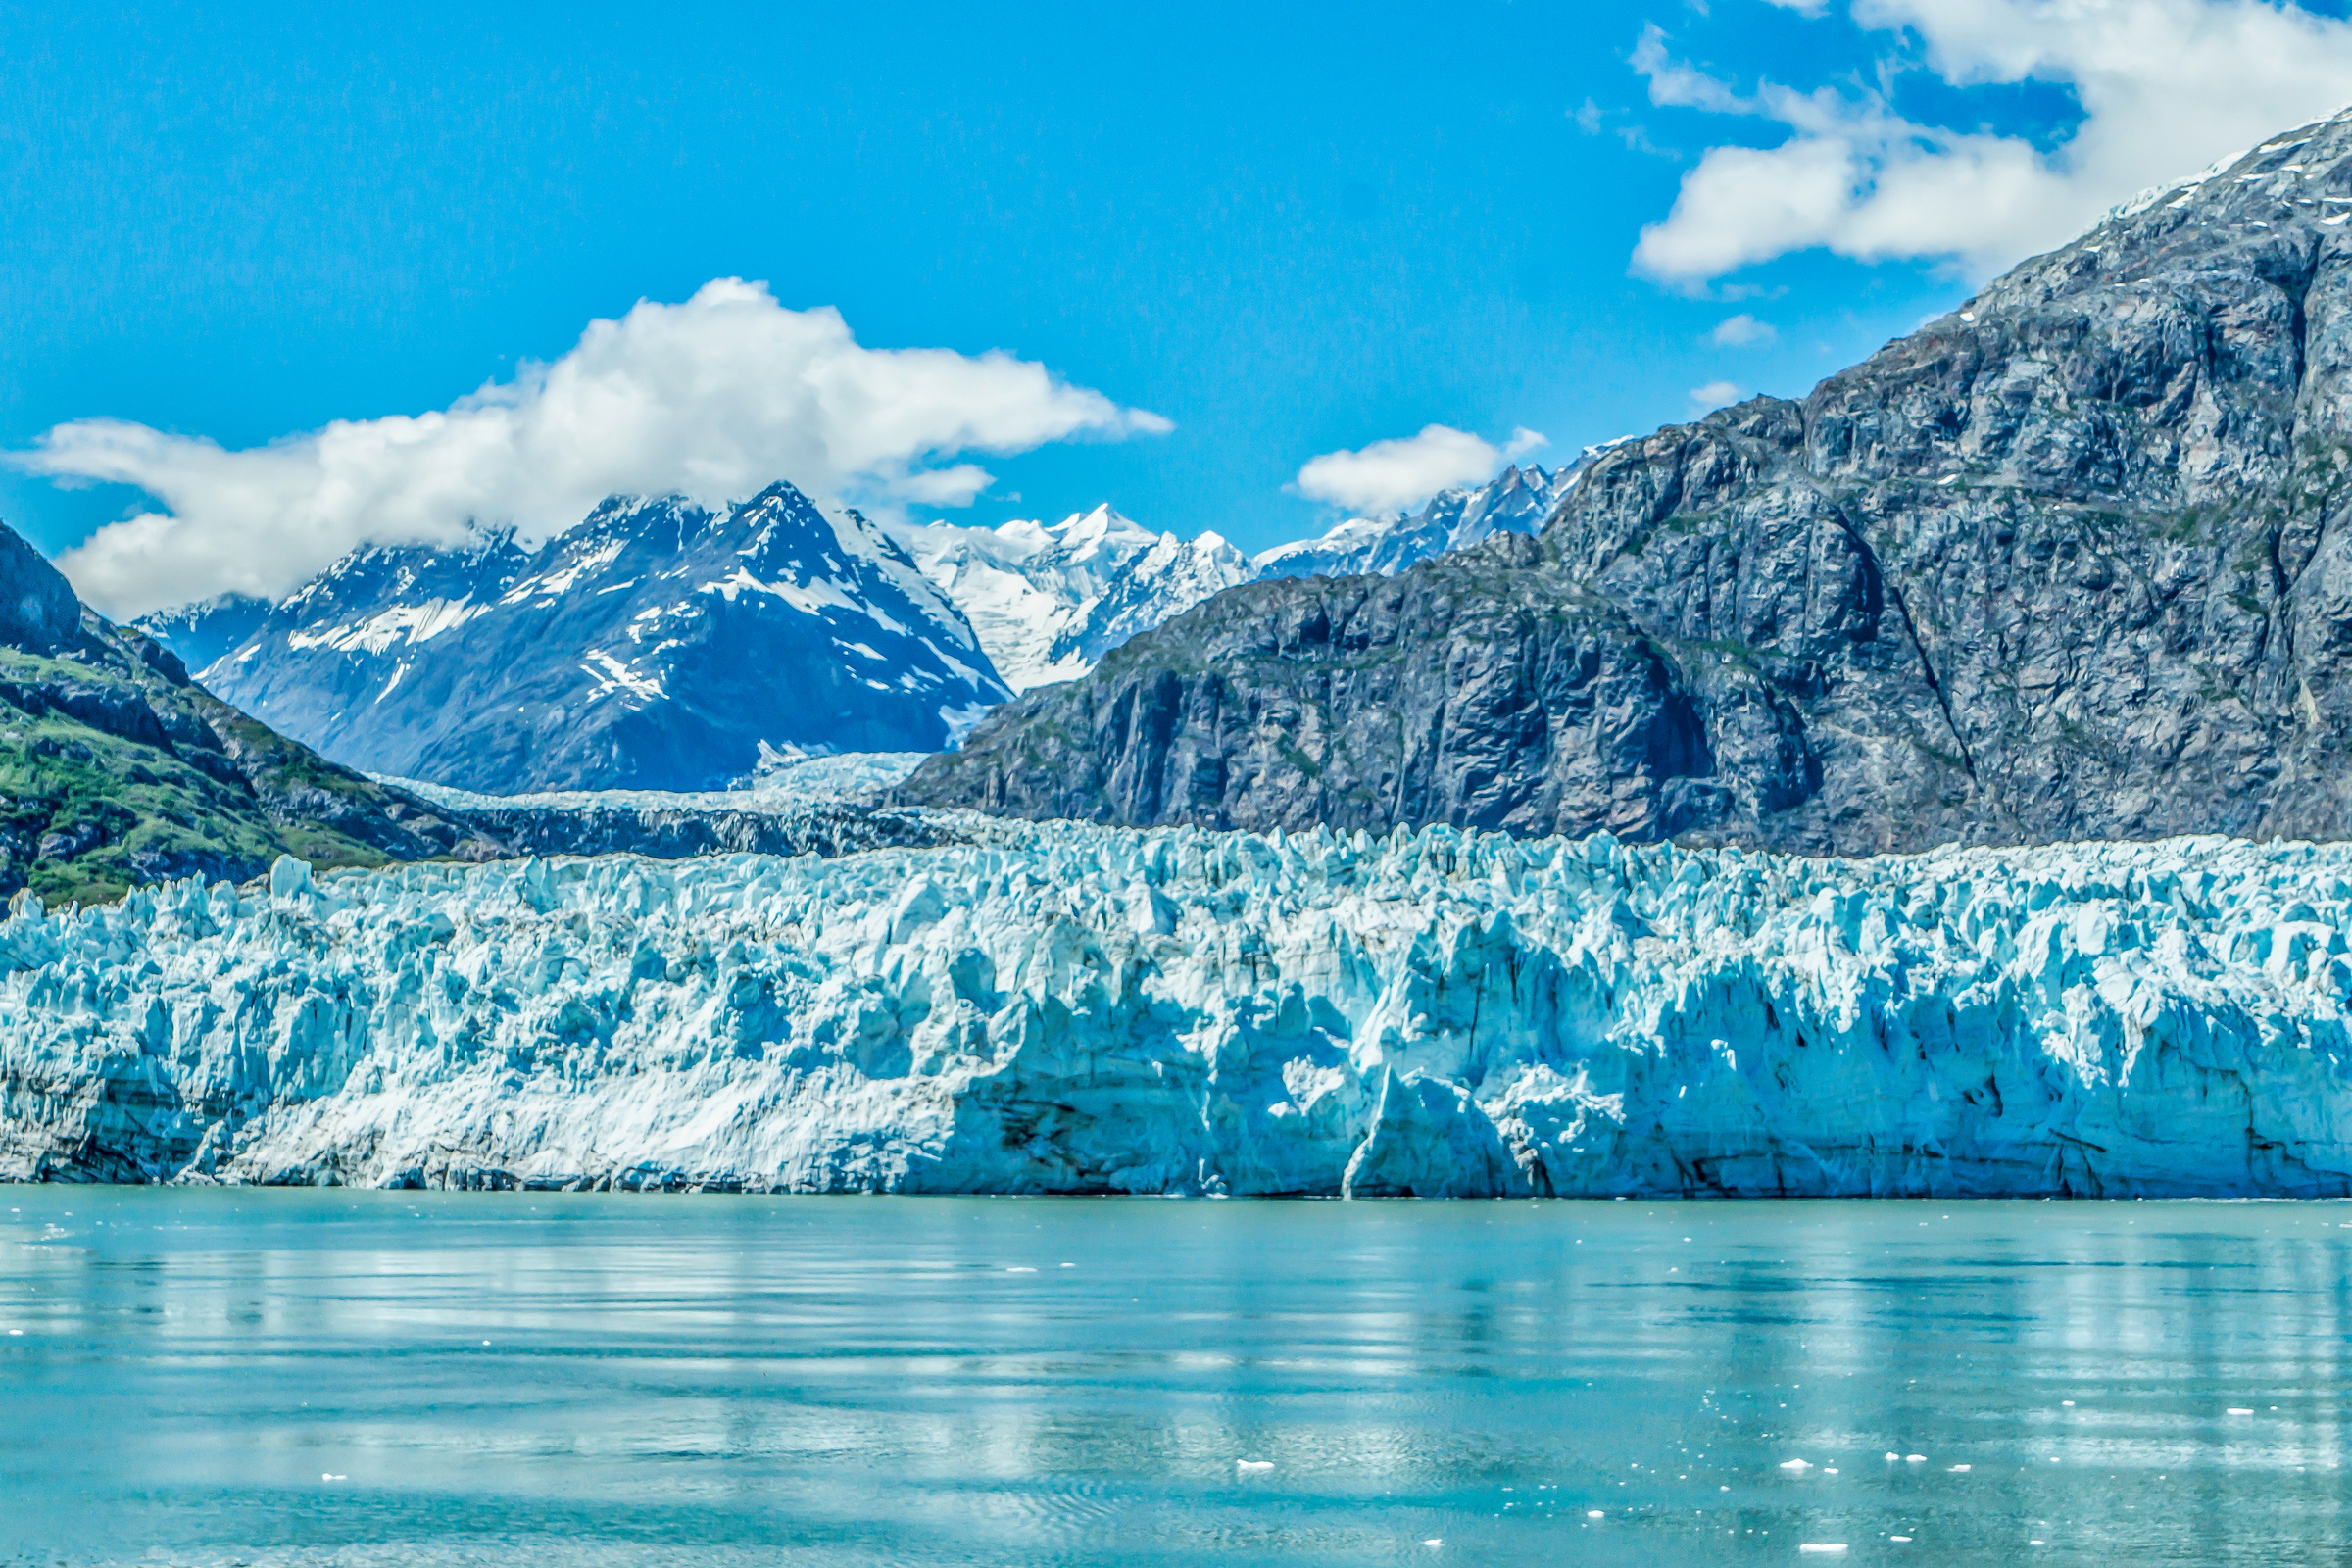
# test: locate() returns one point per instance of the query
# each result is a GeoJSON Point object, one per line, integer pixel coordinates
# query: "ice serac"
{"type": "Point", "coordinates": [655, 645]}
{"type": "Point", "coordinates": [2073, 562]}
{"type": "Point", "coordinates": [1063, 1008]}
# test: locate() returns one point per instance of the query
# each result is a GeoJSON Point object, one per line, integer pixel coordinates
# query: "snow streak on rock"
{"type": "Point", "coordinates": [1060, 1009]}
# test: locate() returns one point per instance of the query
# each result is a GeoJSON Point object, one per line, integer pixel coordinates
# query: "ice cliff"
{"type": "Point", "coordinates": [1064, 1008]}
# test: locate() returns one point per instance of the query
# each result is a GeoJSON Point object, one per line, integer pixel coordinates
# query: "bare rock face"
{"type": "Point", "coordinates": [2073, 562]}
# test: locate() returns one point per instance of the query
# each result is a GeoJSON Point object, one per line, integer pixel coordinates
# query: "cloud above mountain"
{"type": "Point", "coordinates": [2165, 87]}
{"type": "Point", "coordinates": [712, 398]}
{"type": "Point", "coordinates": [1394, 474]}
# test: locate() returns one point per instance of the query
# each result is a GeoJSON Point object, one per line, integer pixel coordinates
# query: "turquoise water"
{"type": "Point", "coordinates": [674, 1380]}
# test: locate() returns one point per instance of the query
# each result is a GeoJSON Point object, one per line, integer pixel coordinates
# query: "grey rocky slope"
{"type": "Point", "coordinates": [655, 645]}
{"type": "Point", "coordinates": [2073, 562]}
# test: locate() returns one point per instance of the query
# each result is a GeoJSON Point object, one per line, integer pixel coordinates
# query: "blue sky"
{"type": "Point", "coordinates": [1286, 232]}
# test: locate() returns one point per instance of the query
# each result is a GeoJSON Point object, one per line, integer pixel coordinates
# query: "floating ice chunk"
{"type": "Point", "coordinates": [1432, 1542]}
{"type": "Point", "coordinates": [1904, 1540]}
{"type": "Point", "coordinates": [1959, 1469]}
{"type": "Point", "coordinates": [1915, 1458]}
{"type": "Point", "coordinates": [1827, 1547]}
{"type": "Point", "coordinates": [1018, 1269]}
{"type": "Point", "coordinates": [1253, 1464]}
{"type": "Point", "coordinates": [1798, 1466]}
{"type": "Point", "coordinates": [2242, 1409]}
{"type": "Point", "coordinates": [1593, 1514]}
{"type": "Point", "coordinates": [1893, 1458]}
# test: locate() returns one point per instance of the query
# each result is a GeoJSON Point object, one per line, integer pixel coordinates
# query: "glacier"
{"type": "Point", "coordinates": [1063, 1008]}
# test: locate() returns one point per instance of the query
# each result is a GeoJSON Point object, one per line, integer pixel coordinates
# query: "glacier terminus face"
{"type": "Point", "coordinates": [1075, 1010]}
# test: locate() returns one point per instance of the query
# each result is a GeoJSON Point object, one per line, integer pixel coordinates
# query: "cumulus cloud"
{"type": "Point", "coordinates": [715, 398]}
{"type": "Point", "coordinates": [1392, 476]}
{"type": "Point", "coordinates": [1743, 332]}
{"type": "Point", "coordinates": [2166, 86]}
{"type": "Point", "coordinates": [1714, 395]}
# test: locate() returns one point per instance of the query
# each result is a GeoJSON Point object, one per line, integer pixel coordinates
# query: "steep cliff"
{"type": "Point", "coordinates": [2073, 562]}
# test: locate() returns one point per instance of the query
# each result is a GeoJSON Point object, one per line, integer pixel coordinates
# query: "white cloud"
{"type": "Point", "coordinates": [1392, 476]}
{"type": "Point", "coordinates": [715, 398]}
{"type": "Point", "coordinates": [1714, 395]}
{"type": "Point", "coordinates": [1743, 332]}
{"type": "Point", "coordinates": [2166, 87]}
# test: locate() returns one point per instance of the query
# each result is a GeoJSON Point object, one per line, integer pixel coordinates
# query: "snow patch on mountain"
{"type": "Point", "coordinates": [1064, 1008]}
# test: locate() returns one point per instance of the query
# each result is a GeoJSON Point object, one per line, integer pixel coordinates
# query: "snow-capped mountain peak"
{"type": "Point", "coordinates": [1047, 600]}
{"type": "Point", "coordinates": [656, 643]}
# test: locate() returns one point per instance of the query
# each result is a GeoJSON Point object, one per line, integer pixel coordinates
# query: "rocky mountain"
{"type": "Point", "coordinates": [2072, 562]}
{"type": "Point", "coordinates": [1519, 500]}
{"type": "Point", "coordinates": [655, 645]}
{"type": "Point", "coordinates": [1064, 1008]}
{"type": "Point", "coordinates": [116, 768]}
{"type": "Point", "coordinates": [1048, 601]}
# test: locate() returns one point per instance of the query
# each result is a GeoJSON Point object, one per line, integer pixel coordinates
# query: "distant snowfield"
{"type": "Point", "coordinates": [787, 787]}
{"type": "Point", "coordinates": [1055, 1008]}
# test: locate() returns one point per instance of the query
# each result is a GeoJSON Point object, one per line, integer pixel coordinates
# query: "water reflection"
{"type": "Point", "coordinates": [710, 1380]}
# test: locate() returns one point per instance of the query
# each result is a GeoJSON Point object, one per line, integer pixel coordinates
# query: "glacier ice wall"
{"type": "Point", "coordinates": [1063, 1008]}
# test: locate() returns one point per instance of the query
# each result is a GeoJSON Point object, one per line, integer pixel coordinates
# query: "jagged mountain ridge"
{"type": "Point", "coordinates": [2072, 562]}
{"type": "Point", "coordinates": [116, 768]}
{"type": "Point", "coordinates": [655, 645]}
{"type": "Point", "coordinates": [1519, 500]}
{"type": "Point", "coordinates": [1050, 599]}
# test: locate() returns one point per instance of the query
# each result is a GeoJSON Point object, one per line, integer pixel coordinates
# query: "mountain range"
{"type": "Point", "coordinates": [1048, 601]}
{"type": "Point", "coordinates": [2073, 561]}
{"type": "Point", "coordinates": [656, 645]}
{"type": "Point", "coordinates": [659, 644]}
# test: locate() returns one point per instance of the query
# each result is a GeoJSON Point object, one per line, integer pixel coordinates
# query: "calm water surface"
{"type": "Point", "coordinates": [510, 1378]}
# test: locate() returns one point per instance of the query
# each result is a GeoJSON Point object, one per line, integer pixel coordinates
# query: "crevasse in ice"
{"type": "Point", "coordinates": [1066, 1009]}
